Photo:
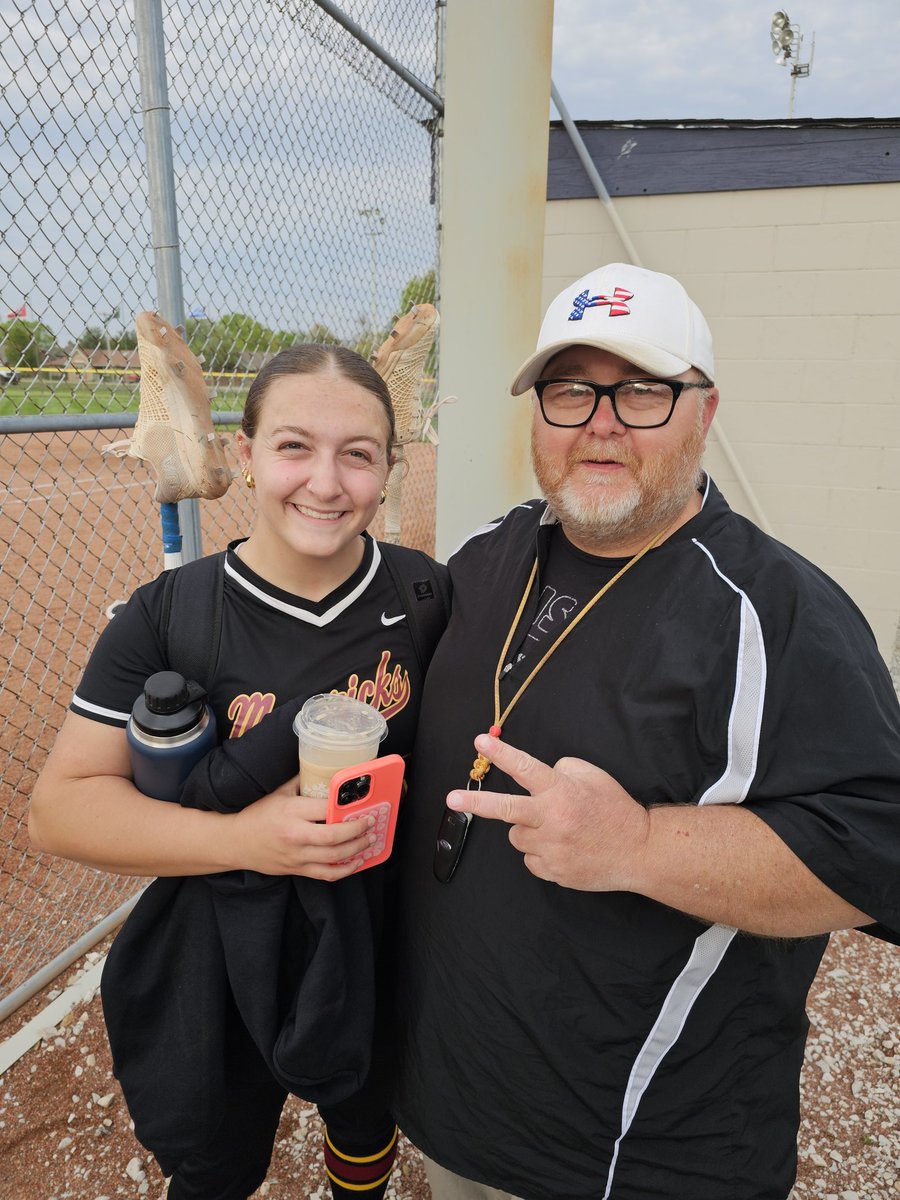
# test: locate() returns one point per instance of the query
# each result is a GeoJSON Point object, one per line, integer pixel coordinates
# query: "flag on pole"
{"type": "Point", "coordinates": [19, 312]}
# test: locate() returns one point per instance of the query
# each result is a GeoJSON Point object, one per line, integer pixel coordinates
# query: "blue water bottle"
{"type": "Point", "coordinates": [170, 729]}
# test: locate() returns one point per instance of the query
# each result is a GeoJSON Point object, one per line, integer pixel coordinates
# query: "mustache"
{"type": "Point", "coordinates": [601, 452]}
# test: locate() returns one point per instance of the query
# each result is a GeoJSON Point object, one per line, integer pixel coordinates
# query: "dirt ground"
{"type": "Point", "coordinates": [65, 1134]}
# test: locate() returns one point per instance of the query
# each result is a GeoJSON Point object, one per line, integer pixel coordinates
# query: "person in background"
{"type": "Point", "coordinates": [686, 772]}
{"type": "Point", "coordinates": [247, 969]}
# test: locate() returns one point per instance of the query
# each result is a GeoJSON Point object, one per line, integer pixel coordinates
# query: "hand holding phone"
{"type": "Point", "coordinates": [370, 787]}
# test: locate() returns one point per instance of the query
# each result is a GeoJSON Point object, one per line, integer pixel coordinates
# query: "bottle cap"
{"type": "Point", "coordinates": [170, 704]}
{"type": "Point", "coordinates": [166, 692]}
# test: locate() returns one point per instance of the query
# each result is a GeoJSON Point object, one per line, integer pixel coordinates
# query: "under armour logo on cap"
{"type": "Point", "coordinates": [664, 332]}
{"type": "Point", "coordinates": [616, 302]}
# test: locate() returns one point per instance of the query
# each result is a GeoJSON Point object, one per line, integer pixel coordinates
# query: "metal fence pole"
{"type": "Point", "coordinates": [594, 175]}
{"type": "Point", "coordinates": [53, 969]}
{"type": "Point", "coordinates": [151, 56]}
{"type": "Point", "coordinates": [357, 31]}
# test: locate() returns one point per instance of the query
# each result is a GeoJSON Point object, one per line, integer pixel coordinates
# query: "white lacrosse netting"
{"type": "Point", "coordinates": [174, 431]}
{"type": "Point", "coordinates": [400, 361]}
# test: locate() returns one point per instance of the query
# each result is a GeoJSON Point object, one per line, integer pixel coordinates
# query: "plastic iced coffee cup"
{"type": "Point", "coordinates": [333, 732]}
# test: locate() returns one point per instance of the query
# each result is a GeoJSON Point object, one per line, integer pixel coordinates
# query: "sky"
{"type": "Point", "coordinates": [671, 59]}
{"type": "Point", "coordinates": [74, 236]}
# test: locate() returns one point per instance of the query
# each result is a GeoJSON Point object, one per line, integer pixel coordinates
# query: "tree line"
{"type": "Point", "coordinates": [224, 343]}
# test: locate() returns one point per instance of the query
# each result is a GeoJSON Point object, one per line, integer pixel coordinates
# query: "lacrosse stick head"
{"type": "Point", "coordinates": [174, 433]}
{"type": "Point", "coordinates": [400, 361]}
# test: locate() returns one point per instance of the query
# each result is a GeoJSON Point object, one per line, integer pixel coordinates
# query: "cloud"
{"type": "Point", "coordinates": [278, 143]}
{"type": "Point", "coordinates": [653, 59]}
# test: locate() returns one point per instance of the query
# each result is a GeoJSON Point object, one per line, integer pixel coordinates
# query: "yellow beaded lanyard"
{"type": "Point", "coordinates": [482, 765]}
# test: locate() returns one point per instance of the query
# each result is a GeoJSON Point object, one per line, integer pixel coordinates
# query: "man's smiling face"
{"type": "Point", "coordinates": [613, 487]}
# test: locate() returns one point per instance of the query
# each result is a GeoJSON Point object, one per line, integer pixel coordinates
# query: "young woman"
{"type": "Point", "coordinates": [247, 968]}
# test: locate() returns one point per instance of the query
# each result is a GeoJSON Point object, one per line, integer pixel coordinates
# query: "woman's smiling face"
{"type": "Point", "coordinates": [319, 458]}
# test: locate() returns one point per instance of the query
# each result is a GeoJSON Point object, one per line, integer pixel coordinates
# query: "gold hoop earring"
{"type": "Point", "coordinates": [248, 479]}
{"type": "Point", "coordinates": [383, 496]}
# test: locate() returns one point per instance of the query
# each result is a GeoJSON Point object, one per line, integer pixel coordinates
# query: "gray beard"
{"type": "Point", "coordinates": [659, 491]}
{"type": "Point", "coordinates": [601, 522]}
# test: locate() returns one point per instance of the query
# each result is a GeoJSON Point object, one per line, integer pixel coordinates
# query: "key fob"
{"type": "Point", "coordinates": [450, 840]}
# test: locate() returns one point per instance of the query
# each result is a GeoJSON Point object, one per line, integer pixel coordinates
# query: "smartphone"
{"type": "Point", "coordinates": [370, 787]}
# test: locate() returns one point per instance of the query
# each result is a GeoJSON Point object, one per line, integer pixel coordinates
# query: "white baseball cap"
{"type": "Point", "coordinates": [643, 316]}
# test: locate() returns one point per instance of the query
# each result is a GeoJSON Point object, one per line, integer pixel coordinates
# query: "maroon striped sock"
{"type": "Point", "coordinates": [359, 1170]}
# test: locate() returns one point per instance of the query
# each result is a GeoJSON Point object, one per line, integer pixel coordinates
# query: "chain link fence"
{"type": "Point", "coordinates": [304, 170]}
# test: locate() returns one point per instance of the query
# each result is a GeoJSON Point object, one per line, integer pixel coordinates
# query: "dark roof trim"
{"type": "Point", "coordinates": [653, 158]}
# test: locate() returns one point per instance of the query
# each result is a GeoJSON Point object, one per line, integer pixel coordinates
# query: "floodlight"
{"type": "Point", "coordinates": [783, 36]}
{"type": "Point", "coordinates": [787, 41]}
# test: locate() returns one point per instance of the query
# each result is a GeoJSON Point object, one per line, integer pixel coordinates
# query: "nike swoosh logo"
{"type": "Point", "coordinates": [386, 620]}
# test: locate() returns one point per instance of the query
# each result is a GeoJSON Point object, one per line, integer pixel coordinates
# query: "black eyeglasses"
{"type": "Point", "coordinates": [637, 403]}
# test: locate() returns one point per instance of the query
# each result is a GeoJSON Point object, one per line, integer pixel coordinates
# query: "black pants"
{"type": "Point", "coordinates": [234, 1163]}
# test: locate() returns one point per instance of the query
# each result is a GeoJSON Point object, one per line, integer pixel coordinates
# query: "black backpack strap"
{"type": "Point", "coordinates": [192, 617]}
{"type": "Point", "coordinates": [424, 587]}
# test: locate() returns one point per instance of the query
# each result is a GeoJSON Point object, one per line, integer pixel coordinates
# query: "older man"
{"type": "Point", "coordinates": [687, 774]}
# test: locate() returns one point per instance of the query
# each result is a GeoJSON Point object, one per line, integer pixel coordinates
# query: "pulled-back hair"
{"type": "Point", "coordinates": [311, 358]}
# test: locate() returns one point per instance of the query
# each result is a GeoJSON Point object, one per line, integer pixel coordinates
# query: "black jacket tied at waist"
{"type": "Point", "coordinates": [297, 954]}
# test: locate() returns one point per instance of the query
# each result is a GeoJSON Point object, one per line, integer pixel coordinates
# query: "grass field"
{"type": "Point", "coordinates": [36, 398]}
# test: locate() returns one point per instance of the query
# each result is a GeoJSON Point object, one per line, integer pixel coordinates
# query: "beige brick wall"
{"type": "Point", "coordinates": [802, 290]}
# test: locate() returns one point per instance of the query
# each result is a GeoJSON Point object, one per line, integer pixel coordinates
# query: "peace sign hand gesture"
{"type": "Point", "coordinates": [576, 826]}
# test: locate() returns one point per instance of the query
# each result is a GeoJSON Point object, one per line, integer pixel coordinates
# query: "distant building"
{"type": "Point", "coordinates": [255, 361]}
{"type": "Point", "coordinates": [94, 365]}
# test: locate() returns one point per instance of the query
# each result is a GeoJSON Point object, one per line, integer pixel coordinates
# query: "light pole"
{"type": "Point", "coordinates": [786, 43]}
{"type": "Point", "coordinates": [376, 216]}
{"type": "Point", "coordinates": [115, 315]}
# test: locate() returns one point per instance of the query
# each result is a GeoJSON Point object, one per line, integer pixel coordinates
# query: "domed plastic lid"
{"type": "Point", "coordinates": [338, 719]}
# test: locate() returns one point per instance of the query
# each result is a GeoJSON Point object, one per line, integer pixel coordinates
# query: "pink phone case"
{"type": "Point", "coordinates": [380, 781]}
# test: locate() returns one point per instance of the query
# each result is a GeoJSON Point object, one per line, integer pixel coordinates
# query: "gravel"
{"type": "Point", "coordinates": [65, 1132]}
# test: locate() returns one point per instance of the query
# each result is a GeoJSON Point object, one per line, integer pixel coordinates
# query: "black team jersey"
{"type": "Point", "coordinates": [274, 647]}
